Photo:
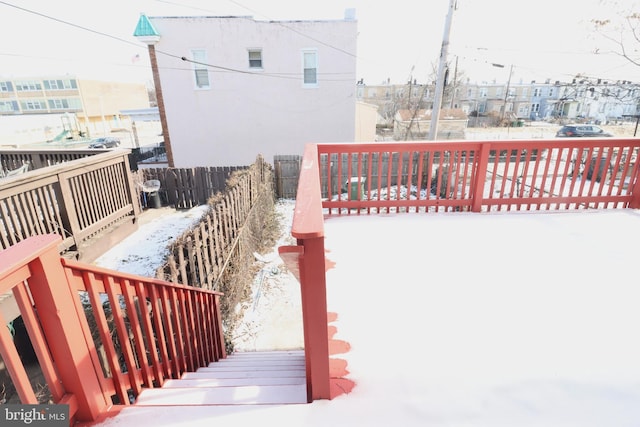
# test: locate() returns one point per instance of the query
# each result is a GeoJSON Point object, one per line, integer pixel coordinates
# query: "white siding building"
{"type": "Point", "coordinates": [233, 87]}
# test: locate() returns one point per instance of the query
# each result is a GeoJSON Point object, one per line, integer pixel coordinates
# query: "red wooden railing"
{"type": "Point", "coordinates": [101, 336]}
{"type": "Point", "coordinates": [345, 179]}
{"type": "Point", "coordinates": [478, 175]}
{"type": "Point", "coordinates": [306, 261]}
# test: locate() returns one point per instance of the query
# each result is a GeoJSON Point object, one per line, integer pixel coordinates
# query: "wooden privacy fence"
{"type": "Point", "coordinates": [286, 171]}
{"type": "Point", "coordinates": [478, 176]}
{"type": "Point", "coordinates": [199, 257]}
{"type": "Point", "coordinates": [101, 336]}
{"type": "Point", "coordinates": [184, 188]}
{"type": "Point", "coordinates": [90, 202]}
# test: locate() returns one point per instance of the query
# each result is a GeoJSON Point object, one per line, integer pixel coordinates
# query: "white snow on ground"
{"type": "Point", "coordinates": [144, 251]}
{"type": "Point", "coordinates": [273, 318]}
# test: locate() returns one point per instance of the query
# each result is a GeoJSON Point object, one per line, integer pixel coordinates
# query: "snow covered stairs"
{"type": "Point", "coordinates": [245, 378]}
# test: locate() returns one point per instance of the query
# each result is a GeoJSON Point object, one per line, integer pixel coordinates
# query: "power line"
{"type": "Point", "coordinates": [538, 71]}
{"type": "Point", "coordinates": [70, 24]}
{"type": "Point", "coordinates": [292, 76]}
{"type": "Point", "coordinates": [138, 45]}
{"type": "Point", "coordinates": [270, 20]}
{"type": "Point", "coordinates": [294, 30]}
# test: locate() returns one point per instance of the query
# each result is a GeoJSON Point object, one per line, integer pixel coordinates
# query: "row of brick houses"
{"type": "Point", "coordinates": [597, 100]}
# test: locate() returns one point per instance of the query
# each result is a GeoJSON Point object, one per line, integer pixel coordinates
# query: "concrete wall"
{"type": "Point", "coordinates": [247, 112]}
{"type": "Point", "coordinates": [447, 129]}
{"type": "Point", "coordinates": [366, 119]}
{"type": "Point", "coordinates": [103, 101]}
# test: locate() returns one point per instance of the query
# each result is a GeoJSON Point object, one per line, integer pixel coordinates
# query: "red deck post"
{"type": "Point", "coordinates": [481, 174]}
{"type": "Point", "coordinates": [635, 189]}
{"type": "Point", "coordinates": [314, 316]}
{"type": "Point", "coordinates": [308, 264]}
{"type": "Point", "coordinates": [56, 304]}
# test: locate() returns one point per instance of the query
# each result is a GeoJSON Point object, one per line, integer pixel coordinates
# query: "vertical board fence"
{"type": "Point", "coordinates": [287, 171]}
{"type": "Point", "coordinates": [185, 188]}
{"type": "Point", "coordinates": [199, 257]}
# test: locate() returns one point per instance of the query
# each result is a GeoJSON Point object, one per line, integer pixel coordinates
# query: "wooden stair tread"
{"type": "Point", "coordinates": [231, 368]}
{"type": "Point", "coordinates": [244, 374]}
{"type": "Point", "coordinates": [255, 363]}
{"type": "Point", "coordinates": [241, 395]}
{"type": "Point", "coordinates": [229, 382]}
{"type": "Point", "coordinates": [249, 378]}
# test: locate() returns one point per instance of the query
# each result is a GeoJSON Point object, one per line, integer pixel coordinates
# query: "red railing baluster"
{"type": "Point", "coordinates": [151, 335]}
{"type": "Point", "coordinates": [14, 366]}
{"type": "Point", "coordinates": [140, 314]}
{"type": "Point", "coordinates": [134, 314]}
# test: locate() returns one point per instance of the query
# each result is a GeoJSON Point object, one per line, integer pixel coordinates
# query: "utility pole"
{"type": "Point", "coordinates": [455, 78]}
{"type": "Point", "coordinates": [437, 96]}
{"type": "Point", "coordinates": [506, 95]}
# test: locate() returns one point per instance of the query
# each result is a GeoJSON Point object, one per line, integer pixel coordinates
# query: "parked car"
{"type": "Point", "coordinates": [577, 131]}
{"type": "Point", "coordinates": [106, 142]}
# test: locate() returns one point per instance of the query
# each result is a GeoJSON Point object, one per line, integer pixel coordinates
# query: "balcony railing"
{"type": "Point", "coordinates": [101, 336]}
{"type": "Point", "coordinates": [353, 179]}
{"type": "Point", "coordinates": [64, 193]}
{"type": "Point", "coordinates": [478, 176]}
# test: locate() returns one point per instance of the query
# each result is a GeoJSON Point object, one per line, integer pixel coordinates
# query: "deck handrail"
{"type": "Point", "coordinates": [444, 176]}
{"type": "Point", "coordinates": [306, 261]}
{"type": "Point", "coordinates": [101, 336]}
{"type": "Point", "coordinates": [81, 199]}
{"type": "Point", "coordinates": [557, 174]}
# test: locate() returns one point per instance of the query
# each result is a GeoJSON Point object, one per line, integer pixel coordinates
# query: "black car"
{"type": "Point", "coordinates": [578, 131]}
{"type": "Point", "coordinates": [106, 142]}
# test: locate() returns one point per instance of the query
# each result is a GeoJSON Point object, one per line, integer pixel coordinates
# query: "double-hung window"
{"type": "Point", "coordinates": [310, 67]}
{"type": "Point", "coordinates": [6, 87]}
{"type": "Point", "coordinates": [255, 59]}
{"type": "Point", "coordinates": [200, 71]}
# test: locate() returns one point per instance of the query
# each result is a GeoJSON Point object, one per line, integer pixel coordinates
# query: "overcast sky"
{"type": "Point", "coordinates": [397, 40]}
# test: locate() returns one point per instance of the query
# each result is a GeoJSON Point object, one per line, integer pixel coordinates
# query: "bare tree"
{"type": "Point", "coordinates": [622, 30]}
{"type": "Point", "coordinates": [453, 85]}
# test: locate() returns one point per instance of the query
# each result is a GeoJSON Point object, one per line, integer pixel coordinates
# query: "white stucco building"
{"type": "Point", "coordinates": [233, 87]}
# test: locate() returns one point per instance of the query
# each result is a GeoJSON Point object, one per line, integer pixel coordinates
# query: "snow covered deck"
{"type": "Point", "coordinates": [489, 319]}
{"type": "Point", "coordinates": [482, 319]}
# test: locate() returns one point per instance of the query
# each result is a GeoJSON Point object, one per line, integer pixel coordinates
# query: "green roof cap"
{"type": "Point", "coordinates": [145, 27]}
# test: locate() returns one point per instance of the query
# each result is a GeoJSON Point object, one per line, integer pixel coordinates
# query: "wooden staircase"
{"type": "Point", "coordinates": [246, 378]}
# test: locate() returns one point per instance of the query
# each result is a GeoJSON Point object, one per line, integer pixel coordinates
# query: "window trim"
{"type": "Point", "coordinates": [196, 68]}
{"type": "Point", "coordinates": [28, 86]}
{"type": "Point", "coordinates": [34, 105]}
{"type": "Point", "coordinates": [305, 52]}
{"type": "Point", "coordinates": [255, 50]}
{"type": "Point", "coordinates": [9, 106]}
{"type": "Point", "coordinates": [59, 84]}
